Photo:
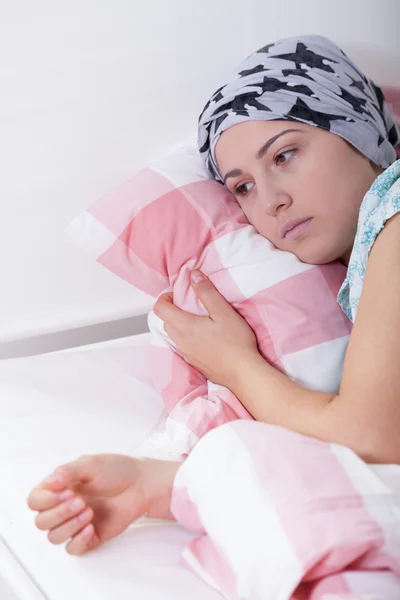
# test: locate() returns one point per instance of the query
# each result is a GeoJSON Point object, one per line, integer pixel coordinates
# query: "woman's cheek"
{"type": "Point", "coordinates": [250, 216]}
{"type": "Point", "coordinates": [265, 226]}
{"type": "Point", "coordinates": [259, 220]}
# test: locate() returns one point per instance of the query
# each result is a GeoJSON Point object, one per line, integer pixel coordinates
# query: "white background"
{"type": "Point", "coordinates": [90, 91]}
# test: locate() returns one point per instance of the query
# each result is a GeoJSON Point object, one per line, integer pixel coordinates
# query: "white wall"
{"type": "Point", "coordinates": [90, 90]}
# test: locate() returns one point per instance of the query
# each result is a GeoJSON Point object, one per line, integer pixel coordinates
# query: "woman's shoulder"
{"type": "Point", "coordinates": [380, 204]}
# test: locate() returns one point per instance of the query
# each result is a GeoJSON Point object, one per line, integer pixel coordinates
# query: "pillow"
{"type": "Point", "coordinates": [171, 218]}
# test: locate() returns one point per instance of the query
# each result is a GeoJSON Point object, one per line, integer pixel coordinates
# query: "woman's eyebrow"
{"type": "Point", "coordinates": [262, 151]}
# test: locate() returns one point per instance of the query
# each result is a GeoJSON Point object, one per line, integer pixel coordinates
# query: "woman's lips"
{"type": "Point", "coordinates": [292, 229]}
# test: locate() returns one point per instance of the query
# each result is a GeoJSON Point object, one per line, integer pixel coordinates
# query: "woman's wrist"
{"type": "Point", "coordinates": [245, 367]}
{"type": "Point", "coordinates": [157, 477]}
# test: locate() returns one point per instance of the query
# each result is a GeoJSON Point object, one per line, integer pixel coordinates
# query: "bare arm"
{"type": "Point", "coordinates": [365, 415]}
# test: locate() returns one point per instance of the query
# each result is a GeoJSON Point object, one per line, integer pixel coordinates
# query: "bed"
{"type": "Point", "coordinates": [55, 407]}
{"type": "Point", "coordinates": [77, 119]}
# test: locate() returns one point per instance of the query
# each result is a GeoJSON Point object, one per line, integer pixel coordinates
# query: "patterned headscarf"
{"type": "Point", "coordinates": [307, 79]}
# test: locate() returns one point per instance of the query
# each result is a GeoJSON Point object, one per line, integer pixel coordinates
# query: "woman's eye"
{"type": "Point", "coordinates": [242, 190]}
{"type": "Point", "coordinates": [282, 154]}
{"type": "Point", "coordinates": [279, 159]}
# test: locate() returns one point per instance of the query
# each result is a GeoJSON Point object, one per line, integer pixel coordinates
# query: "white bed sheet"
{"type": "Point", "coordinates": [53, 408]}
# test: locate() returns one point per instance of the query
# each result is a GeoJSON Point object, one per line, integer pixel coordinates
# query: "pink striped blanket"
{"type": "Point", "coordinates": [281, 516]}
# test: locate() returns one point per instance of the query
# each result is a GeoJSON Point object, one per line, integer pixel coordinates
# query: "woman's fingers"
{"type": "Point", "coordinates": [55, 482]}
{"type": "Point", "coordinates": [212, 300]}
{"type": "Point", "coordinates": [77, 474]}
{"type": "Point", "coordinates": [43, 499]}
{"type": "Point", "coordinates": [82, 542]}
{"type": "Point", "coordinates": [65, 516]}
{"type": "Point", "coordinates": [70, 528]}
{"type": "Point", "coordinates": [166, 310]}
{"type": "Point", "coordinates": [54, 517]}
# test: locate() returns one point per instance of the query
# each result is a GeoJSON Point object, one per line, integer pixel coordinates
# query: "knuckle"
{"type": "Point", "coordinates": [90, 461]}
{"type": "Point", "coordinates": [89, 512]}
{"type": "Point", "coordinates": [65, 510]}
{"type": "Point", "coordinates": [61, 471]}
{"type": "Point", "coordinates": [81, 521]}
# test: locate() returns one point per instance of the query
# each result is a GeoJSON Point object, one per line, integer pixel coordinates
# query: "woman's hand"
{"type": "Point", "coordinates": [216, 345]}
{"type": "Point", "coordinates": [111, 491]}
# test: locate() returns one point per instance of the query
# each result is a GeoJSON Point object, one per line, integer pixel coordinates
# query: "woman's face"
{"type": "Point", "coordinates": [284, 172]}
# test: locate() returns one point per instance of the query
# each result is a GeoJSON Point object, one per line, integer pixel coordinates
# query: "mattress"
{"type": "Point", "coordinates": [55, 407]}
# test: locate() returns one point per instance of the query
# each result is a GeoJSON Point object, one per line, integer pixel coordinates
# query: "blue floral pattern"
{"type": "Point", "coordinates": [380, 203]}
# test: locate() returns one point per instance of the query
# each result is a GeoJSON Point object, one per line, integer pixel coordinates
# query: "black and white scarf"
{"type": "Point", "coordinates": [307, 79]}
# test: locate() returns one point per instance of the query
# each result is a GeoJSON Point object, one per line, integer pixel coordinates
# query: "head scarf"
{"type": "Point", "coordinates": [307, 79]}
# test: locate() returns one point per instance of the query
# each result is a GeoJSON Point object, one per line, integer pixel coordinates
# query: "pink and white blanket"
{"type": "Point", "coordinates": [283, 516]}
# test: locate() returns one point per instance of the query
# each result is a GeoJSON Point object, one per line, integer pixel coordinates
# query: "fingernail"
{"type": "Point", "coordinates": [85, 515]}
{"type": "Point", "coordinates": [86, 532]}
{"type": "Point", "coordinates": [77, 504]}
{"type": "Point", "coordinates": [197, 276]}
{"type": "Point", "coordinates": [66, 494]}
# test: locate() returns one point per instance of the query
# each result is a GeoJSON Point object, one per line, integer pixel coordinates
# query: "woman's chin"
{"type": "Point", "coordinates": [315, 256]}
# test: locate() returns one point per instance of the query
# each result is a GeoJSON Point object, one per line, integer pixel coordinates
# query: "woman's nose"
{"type": "Point", "coordinates": [273, 202]}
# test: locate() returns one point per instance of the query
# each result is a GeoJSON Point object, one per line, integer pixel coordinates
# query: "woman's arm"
{"type": "Point", "coordinates": [365, 415]}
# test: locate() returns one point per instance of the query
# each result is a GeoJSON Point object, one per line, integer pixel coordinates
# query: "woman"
{"type": "Point", "coordinates": [305, 143]}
